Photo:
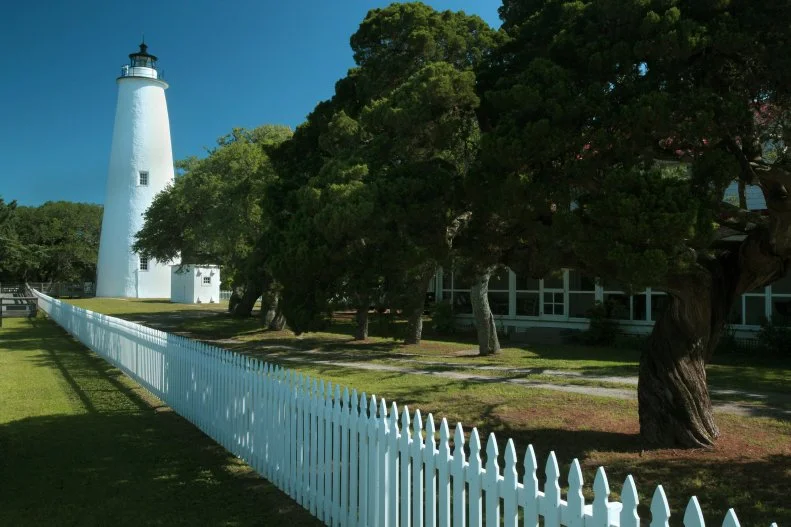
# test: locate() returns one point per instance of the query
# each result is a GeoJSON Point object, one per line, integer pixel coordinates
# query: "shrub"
{"type": "Point", "coordinates": [603, 330]}
{"type": "Point", "coordinates": [775, 339]}
{"type": "Point", "coordinates": [442, 318]}
{"type": "Point", "coordinates": [728, 342]}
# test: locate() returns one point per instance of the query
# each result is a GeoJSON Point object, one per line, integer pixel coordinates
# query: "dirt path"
{"type": "Point", "coordinates": [729, 407]}
{"type": "Point", "coordinates": [760, 408]}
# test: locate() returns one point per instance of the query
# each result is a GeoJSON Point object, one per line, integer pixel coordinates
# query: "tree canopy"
{"type": "Point", "coordinates": [378, 178]}
{"type": "Point", "coordinates": [212, 213]}
{"type": "Point", "coordinates": [590, 134]}
{"type": "Point", "coordinates": [57, 241]}
{"type": "Point", "coordinates": [612, 130]}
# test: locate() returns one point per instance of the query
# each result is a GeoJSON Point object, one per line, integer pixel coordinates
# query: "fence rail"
{"type": "Point", "coordinates": [349, 458]}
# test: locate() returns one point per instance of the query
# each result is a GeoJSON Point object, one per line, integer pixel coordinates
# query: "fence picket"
{"type": "Point", "coordinates": [336, 456]}
{"type": "Point", "coordinates": [405, 469]}
{"type": "Point", "coordinates": [601, 497]}
{"type": "Point", "coordinates": [315, 463]}
{"type": "Point", "coordinates": [430, 457]}
{"type": "Point", "coordinates": [344, 457]}
{"type": "Point", "coordinates": [660, 510]}
{"type": "Point", "coordinates": [693, 516]}
{"type": "Point", "coordinates": [457, 478]}
{"type": "Point", "coordinates": [510, 487]}
{"type": "Point", "coordinates": [575, 509]}
{"type": "Point", "coordinates": [354, 457]}
{"type": "Point", "coordinates": [551, 502]}
{"type": "Point", "coordinates": [383, 480]}
{"type": "Point", "coordinates": [392, 466]}
{"type": "Point", "coordinates": [732, 521]}
{"type": "Point", "coordinates": [293, 417]}
{"type": "Point", "coordinates": [321, 470]}
{"type": "Point", "coordinates": [491, 482]}
{"type": "Point", "coordinates": [343, 515]}
{"type": "Point", "coordinates": [530, 493]}
{"type": "Point", "coordinates": [299, 399]}
{"type": "Point", "coordinates": [474, 476]}
{"type": "Point", "coordinates": [370, 484]}
{"type": "Point", "coordinates": [629, 516]}
{"type": "Point", "coordinates": [416, 453]}
{"type": "Point", "coordinates": [443, 476]}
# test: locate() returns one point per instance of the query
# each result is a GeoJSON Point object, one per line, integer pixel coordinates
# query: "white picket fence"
{"type": "Point", "coordinates": [344, 456]}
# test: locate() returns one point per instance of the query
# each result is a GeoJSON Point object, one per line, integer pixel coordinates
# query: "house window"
{"type": "Point", "coordinates": [143, 179]}
{"type": "Point", "coordinates": [144, 263]}
{"type": "Point", "coordinates": [207, 280]}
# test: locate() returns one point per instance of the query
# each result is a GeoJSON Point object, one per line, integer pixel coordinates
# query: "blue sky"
{"type": "Point", "coordinates": [229, 64]}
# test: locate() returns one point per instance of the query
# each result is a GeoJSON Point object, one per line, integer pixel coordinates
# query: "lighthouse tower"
{"type": "Point", "coordinates": [141, 165]}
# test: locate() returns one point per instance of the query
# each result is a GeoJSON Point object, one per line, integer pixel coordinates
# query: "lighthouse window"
{"type": "Point", "coordinates": [207, 280]}
{"type": "Point", "coordinates": [143, 179]}
{"type": "Point", "coordinates": [143, 263]}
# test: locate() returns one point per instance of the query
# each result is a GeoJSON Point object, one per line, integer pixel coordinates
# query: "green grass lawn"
{"type": "Point", "coordinates": [80, 444]}
{"type": "Point", "coordinates": [749, 469]}
{"type": "Point", "coordinates": [747, 372]}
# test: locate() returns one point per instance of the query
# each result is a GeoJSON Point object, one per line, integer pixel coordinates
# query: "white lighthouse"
{"type": "Point", "coordinates": [141, 165]}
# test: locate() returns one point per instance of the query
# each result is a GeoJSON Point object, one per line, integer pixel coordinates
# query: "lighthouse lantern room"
{"type": "Point", "coordinates": [141, 166]}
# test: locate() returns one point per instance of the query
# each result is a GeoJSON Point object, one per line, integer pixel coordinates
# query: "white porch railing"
{"type": "Point", "coordinates": [343, 455]}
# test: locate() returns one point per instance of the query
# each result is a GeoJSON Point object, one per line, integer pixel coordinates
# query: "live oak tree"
{"type": "Point", "coordinates": [371, 183]}
{"type": "Point", "coordinates": [9, 243]}
{"type": "Point", "coordinates": [611, 131]}
{"type": "Point", "coordinates": [57, 241]}
{"type": "Point", "coordinates": [316, 249]}
{"type": "Point", "coordinates": [213, 214]}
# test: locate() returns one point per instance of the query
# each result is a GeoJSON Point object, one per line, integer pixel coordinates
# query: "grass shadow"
{"type": "Point", "coordinates": [120, 457]}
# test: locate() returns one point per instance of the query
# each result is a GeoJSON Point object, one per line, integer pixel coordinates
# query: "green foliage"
{"type": "Point", "coordinates": [610, 130]}
{"type": "Point", "coordinates": [213, 212]}
{"type": "Point", "coordinates": [56, 241]}
{"type": "Point", "coordinates": [775, 339]}
{"type": "Point", "coordinates": [442, 318]}
{"type": "Point", "coordinates": [371, 182]}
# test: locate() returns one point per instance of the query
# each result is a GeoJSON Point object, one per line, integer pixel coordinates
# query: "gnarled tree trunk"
{"type": "Point", "coordinates": [361, 318]}
{"type": "Point", "coordinates": [673, 396]}
{"type": "Point", "coordinates": [244, 308]}
{"type": "Point", "coordinates": [488, 343]}
{"type": "Point", "coordinates": [675, 408]}
{"type": "Point", "coordinates": [414, 309]}
{"type": "Point", "coordinates": [271, 310]}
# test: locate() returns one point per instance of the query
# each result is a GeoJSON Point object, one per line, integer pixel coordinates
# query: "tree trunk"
{"type": "Point", "coordinates": [415, 307]}
{"type": "Point", "coordinates": [245, 306]}
{"type": "Point", "coordinates": [361, 317]}
{"type": "Point", "coordinates": [488, 343]}
{"type": "Point", "coordinates": [278, 323]}
{"type": "Point", "coordinates": [673, 397]}
{"type": "Point", "coordinates": [271, 310]}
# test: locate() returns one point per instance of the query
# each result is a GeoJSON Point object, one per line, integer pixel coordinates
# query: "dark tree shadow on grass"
{"type": "Point", "coordinates": [122, 461]}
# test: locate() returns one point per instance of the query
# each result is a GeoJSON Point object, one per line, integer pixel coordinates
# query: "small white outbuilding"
{"type": "Point", "coordinates": [194, 284]}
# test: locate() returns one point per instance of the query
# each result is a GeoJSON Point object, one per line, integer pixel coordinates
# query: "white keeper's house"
{"type": "Point", "coordinates": [563, 299]}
